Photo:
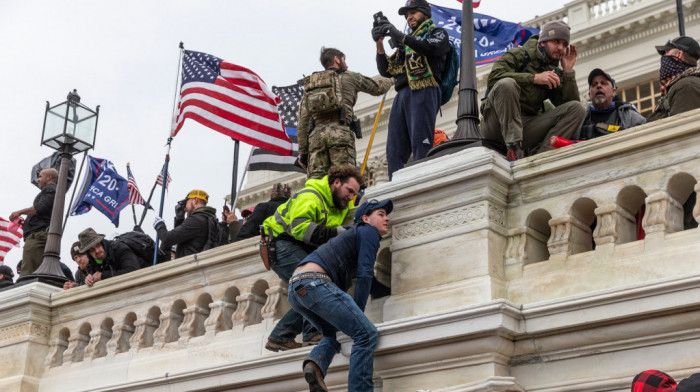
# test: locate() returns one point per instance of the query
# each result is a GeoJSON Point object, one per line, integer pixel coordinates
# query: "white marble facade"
{"type": "Point", "coordinates": [522, 278]}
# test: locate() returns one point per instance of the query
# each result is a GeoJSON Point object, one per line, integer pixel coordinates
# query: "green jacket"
{"type": "Point", "coordinates": [533, 96]}
{"type": "Point", "coordinates": [309, 216]}
{"type": "Point", "coordinates": [351, 83]}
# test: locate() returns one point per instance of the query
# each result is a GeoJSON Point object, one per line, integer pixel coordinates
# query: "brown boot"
{"type": "Point", "coordinates": [275, 346]}
{"type": "Point", "coordinates": [314, 376]}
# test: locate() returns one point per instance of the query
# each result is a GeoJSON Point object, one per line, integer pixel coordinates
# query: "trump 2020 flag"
{"type": "Point", "coordinates": [492, 37]}
{"type": "Point", "coordinates": [262, 159]}
{"type": "Point", "coordinates": [232, 100]}
{"type": "Point", "coordinates": [104, 189]}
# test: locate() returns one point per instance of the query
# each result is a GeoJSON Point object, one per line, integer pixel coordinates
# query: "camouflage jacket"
{"type": "Point", "coordinates": [533, 96]}
{"type": "Point", "coordinates": [351, 84]}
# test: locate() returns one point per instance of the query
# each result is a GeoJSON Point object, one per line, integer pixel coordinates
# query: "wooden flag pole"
{"type": "Point", "coordinates": [371, 138]}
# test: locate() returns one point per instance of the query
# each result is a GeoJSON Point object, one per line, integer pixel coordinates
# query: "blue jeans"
{"type": "Point", "coordinates": [411, 126]}
{"type": "Point", "coordinates": [289, 254]}
{"type": "Point", "coordinates": [330, 309]}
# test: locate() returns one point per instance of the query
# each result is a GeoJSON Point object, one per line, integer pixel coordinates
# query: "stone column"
{"type": "Point", "coordinates": [119, 343]}
{"type": "Point", "coordinates": [615, 225]}
{"type": "Point", "coordinates": [569, 236]}
{"type": "Point", "coordinates": [143, 333]}
{"type": "Point", "coordinates": [97, 347]}
{"type": "Point", "coordinates": [219, 317]}
{"type": "Point", "coordinates": [248, 310]}
{"type": "Point", "coordinates": [276, 305]}
{"type": "Point", "coordinates": [663, 214]}
{"type": "Point", "coordinates": [193, 324]}
{"type": "Point", "coordinates": [76, 348]}
{"type": "Point", "coordinates": [168, 330]}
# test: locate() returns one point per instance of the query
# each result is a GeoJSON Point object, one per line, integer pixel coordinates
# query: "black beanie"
{"type": "Point", "coordinates": [420, 5]}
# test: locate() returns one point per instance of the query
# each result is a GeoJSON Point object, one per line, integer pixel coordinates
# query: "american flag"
{"type": "Point", "coordinates": [134, 193]}
{"type": "Point", "coordinates": [159, 179]}
{"type": "Point", "coordinates": [232, 100]}
{"type": "Point", "coordinates": [262, 159]}
{"type": "Point", "coordinates": [8, 237]}
{"type": "Point", "coordinates": [474, 2]}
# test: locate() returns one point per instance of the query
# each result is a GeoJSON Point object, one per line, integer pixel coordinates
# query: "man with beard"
{"type": "Point", "coordinates": [417, 65]}
{"type": "Point", "coordinates": [679, 77]}
{"type": "Point", "coordinates": [309, 219]}
{"type": "Point", "coordinates": [106, 258]}
{"type": "Point", "coordinates": [36, 225]}
{"type": "Point", "coordinates": [606, 114]}
{"type": "Point", "coordinates": [520, 81]}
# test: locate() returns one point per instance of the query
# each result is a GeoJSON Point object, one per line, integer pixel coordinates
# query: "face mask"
{"type": "Point", "coordinates": [670, 66]}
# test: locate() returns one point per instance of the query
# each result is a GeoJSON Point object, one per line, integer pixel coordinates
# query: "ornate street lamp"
{"type": "Point", "coordinates": [69, 128]}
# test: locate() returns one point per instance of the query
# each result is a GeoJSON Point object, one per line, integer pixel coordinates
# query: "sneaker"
{"type": "Point", "coordinates": [313, 341]}
{"type": "Point", "coordinates": [313, 376]}
{"type": "Point", "coordinates": [515, 152]}
{"type": "Point", "coordinates": [275, 346]}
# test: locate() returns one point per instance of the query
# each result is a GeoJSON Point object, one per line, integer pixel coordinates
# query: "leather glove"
{"type": "Point", "coordinates": [303, 161]}
{"type": "Point", "coordinates": [158, 221]}
{"type": "Point", "coordinates": [377, 33]}
{"type": "Point", "coordinates": [393, 32]}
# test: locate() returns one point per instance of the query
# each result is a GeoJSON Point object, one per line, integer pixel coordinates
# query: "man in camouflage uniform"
{"type": "Point", "coordinates": [328, 140]}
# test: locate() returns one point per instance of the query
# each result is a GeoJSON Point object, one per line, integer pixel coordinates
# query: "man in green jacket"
{"type": "Point", "coordinates": [328, 139]}
{"type": "Point", "coordinates": [309, 219]}
{"type": "Point", "coordinates": [679, 77]}
{"type": "Point", "coordinates": [520, 81]}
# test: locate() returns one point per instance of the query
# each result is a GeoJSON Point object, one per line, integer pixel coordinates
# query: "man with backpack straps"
{"type": "Point", "coordinates": [106, 258]}
{"type": "Point", "coordinates": [327, 125]}
{"type": "Point", "coordinates": [309, 219]}
{"type": "Point", "coordinates": [418, 66]}
{"type": "Point", "coordinates": [198, 232]}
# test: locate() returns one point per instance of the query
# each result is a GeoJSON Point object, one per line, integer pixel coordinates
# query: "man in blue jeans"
{"type": "Point", "coordinates": [307, 220]}
{"type": "Point", "coordinates": [317, 291]}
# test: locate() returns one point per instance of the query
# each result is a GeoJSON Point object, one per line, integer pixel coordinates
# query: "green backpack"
{"type": "Point", "coordinates": [322, 92]}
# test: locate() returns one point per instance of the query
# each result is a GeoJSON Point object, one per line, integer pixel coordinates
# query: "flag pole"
{"type": "Point", "coordinates": [245, 172]}
{"type": "Point", "coordinates": [234, 179]}
{"type": "Point", "coordinates": [681, 20]}
{"type": "Point", "coordinates": [167, 154]}
{"type": "Point", "coordinates": [80, 171]}
{"type": "Point", "coordinates": [133, 209]}
{"type": "Point", "coordinates": [148, 203]}
{"type": "Point", "coordinates": [374, 131]}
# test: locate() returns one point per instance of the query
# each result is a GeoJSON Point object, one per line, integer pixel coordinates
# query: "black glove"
{"type": "Point", "coordinates": [179, 213]}
{"type": "Point", "coordinates": [393, 32]}
{"type": "Point", "coordinates": [377, 33]}
{"type": "Point", "coordinates": [303, 161]}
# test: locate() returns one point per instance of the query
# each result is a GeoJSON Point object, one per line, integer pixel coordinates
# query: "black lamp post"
{"type": "Point", "coordinates": [69, 128]}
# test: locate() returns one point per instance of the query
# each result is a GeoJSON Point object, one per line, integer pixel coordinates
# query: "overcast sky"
{"type": "Point", "coordinates": [123, 56]}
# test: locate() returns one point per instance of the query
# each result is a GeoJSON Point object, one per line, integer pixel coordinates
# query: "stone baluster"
{"type": "Point", "coordinates": [663, 214]}
{"type": "Point", "coordinates": [615, 225]}
{"type": "Point", "coordinates": [119, 343]}
{"type": "Point", "coordinates": [143, 333]}
{"type": "Point", "coordinates": [696, 209]}
{"type": "Point", "coordinates": [193, 323]}
{"type": "Point", "coordinates": [248, 310]}
{"type": "Point", "coordinates": [276, 305]}
{"type": "Point", "coordinates": [569, 236]}
{"type": "Point", "coordinates": [56, 350]}
{"type": "Point", "coordinates": [515, 246]}
{"type": "Point", "coordinates": [219, 317]}
{"type": "Point", "coordinates": [168, 330]}
{"type": "Point", "coordinates": [76, 348]}
{"type": "Point", "coordinates": [97, 347]}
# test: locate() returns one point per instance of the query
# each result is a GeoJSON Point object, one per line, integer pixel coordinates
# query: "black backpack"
{"type": "Point", "coordinates": [143, 247]}
{"type": "Point", "coordinates": [449, 75]}
{"type": "Point", "coordinates": [218, 235]}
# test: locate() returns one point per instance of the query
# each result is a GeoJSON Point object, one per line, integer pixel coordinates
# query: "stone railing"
{"type": "Point", "coordinates": [588, 12]}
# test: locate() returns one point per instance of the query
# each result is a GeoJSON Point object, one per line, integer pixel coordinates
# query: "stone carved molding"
{"type": "Point", "coordinates": [443, 221]}
{"type": "Point", "coordinates": [248, 311]}
{"type": "Point", "coordinates": [119, 343]}
{"type": "Point", "coordinates": [144, 332]}
{"type": "Point", "coordinates": [515, 246]}
{"type": "Point", "coordinates": [193, 323]}
{"type": "Point", "coordinates": [663, 214]}
{"type": "Point", "coordinates": [168, 330]}
{"type": "Point", "coordinates": [24, 330]}
{"type": "Point", "coordinates": [219, 319]}
{"type": "Point", "coordinates": [379, 169]}
{"type": "Point", "coordinates": [276, 305]}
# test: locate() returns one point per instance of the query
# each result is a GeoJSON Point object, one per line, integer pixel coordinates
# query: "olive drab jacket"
{"type": "Point", "coordinates": [533, 96]}
{"type": "Point", "coordinates": [309, 216]}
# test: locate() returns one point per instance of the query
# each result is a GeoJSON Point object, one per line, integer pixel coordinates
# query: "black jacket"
{"type": "Point", "coordinates": [118, 261]}
{"type": "Point", "coordinates": [43, 204]}
{"type": "Point", "coordinates": [191, 236]}
{"type": "Point", "coordinates": [251, 228]}
{"type": "Point", "coordinates": [6, 282]}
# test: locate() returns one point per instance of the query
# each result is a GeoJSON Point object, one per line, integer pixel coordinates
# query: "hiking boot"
{"type": "Point", "coordinates": [275, 346]}
{"type": "Point", "coordinates": [515, 152]}
{"type": "Point", "coordinates": [313, 376]}
{"type": "Point", "coordinates": [313, 341]}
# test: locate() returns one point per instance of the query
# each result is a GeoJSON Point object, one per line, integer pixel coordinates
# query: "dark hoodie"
{"type": "Point", "coordinates": [191, 236]}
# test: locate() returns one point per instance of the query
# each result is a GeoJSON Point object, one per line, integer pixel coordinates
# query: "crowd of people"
{"type": "Point", "coordinates": [531, 97]}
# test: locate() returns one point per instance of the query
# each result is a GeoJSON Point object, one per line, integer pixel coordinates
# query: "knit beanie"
{"type": "Point", "coordinates": [653, 381]}
{"type": "Point", "coordinates": [555, 30]}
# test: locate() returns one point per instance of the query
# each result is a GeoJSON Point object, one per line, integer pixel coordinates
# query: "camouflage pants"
{"type": "Point", "coordinates": [330, 145]}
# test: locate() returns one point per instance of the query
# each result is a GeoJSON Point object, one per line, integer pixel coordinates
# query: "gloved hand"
{"type": "Point", "coordinates": [377, 32]}
{"type": "Point", "coordinates": [158, 221]}
{"type": "Point", "coordinates": [180, 210]}
{"type": "Point", "coordinates": [303, 161]}
{"type": "Point", "coordinates": [390, 30]}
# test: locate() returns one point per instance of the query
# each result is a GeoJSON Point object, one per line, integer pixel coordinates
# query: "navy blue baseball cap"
{"type": "Point", "coordinates": [367, 207]}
